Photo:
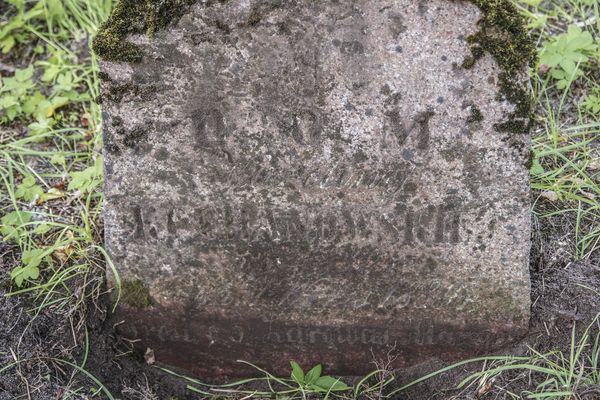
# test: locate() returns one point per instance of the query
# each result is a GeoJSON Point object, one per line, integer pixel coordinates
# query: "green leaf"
{"type": "Point", "coordinates": [16, 218]}
{"type": "Point", "coordinates": [297, 373]}
{"type": "Point", "coordinates": [8, 101]}
{"type": "Point", "coordinates": [50, 73]}
{"type": "Point", "coordinates": [24, 75]}
{"type": "Point", "coordinates": [569, 67]}
{"type": "Point", "coordinates": [9, 84]}
{"type": "Point", "coordinates": [64, 83]}
{"type": "Point", "coordinates": [7, 44]}
{"type": "Point", "coordinates": [58, 158]}
{"type": "Point", "coordinates": [11, 224]}
{"type": "Point", "coordinates": [563, 84]}
{"type": "Point", "coordinates": [55, 9]}
{"type": "Point", "coordinates": [42, 125]}
{"type": "Point", "coordinates": [532, 3]}
{"type": "Point", "coordinates": [592, 103]}
{"type": "Point", "coordinates": [28, 190]}
{"type": "Point", "coordinates": [32, 103]}
{"type": "Point", "coordinates": [536, 167]}
{"type": "Point", "coordinates": [31, 260]}
{"type": "Point", "coordinates": [12, 113]}
{"type": "Point", "coordinates": [313, 374]}
{"type": "Point", "coordinates": [330, 384]}
{"type": "Point", "coordinates": [55, 103]}
{"type": "Point", "coordinates": [42, 228]}
{"type": "Point", "coordinates": [567, 54]}
{"type": "Point", "coordinates": [87, 180]}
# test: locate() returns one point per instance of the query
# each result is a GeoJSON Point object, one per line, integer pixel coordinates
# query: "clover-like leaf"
{"type": "Point", "coordinates": [536, 167]}
{"type": "Point", "coordinates": [31, 260]}
{"type": "Point", "coordinates": [88, 179]}
{"type": "Point", "coordinates": [28, 190]}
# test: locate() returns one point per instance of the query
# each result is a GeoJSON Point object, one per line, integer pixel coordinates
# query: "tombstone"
{"type": "Point", "coordinates": [316, 181]}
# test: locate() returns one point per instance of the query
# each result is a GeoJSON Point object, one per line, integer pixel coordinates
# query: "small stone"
{"type": "Point", "coordinates": [149, 356]}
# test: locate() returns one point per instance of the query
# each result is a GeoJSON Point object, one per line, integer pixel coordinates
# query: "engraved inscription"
{"type": "Point", "coordinates": [306, 128]}
{"type": "Point", "coordinates": [422, 333]}
{"type": "Point", "coordinates": [433, 225]}
{"type": "Point", "coordinates": [400, 131]}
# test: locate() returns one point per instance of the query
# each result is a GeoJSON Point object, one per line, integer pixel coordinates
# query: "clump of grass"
{"type": "Point", "coordinates": [50, 160]}
{"type": "Point", "coordinates": [559, 375]}
{"type": "Point", "coordinates": [51, 164]}
{"type": "Point", "coordinates": [565, 170]}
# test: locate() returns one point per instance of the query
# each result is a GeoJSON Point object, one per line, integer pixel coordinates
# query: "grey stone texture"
{"type": "Point", "coordinates": [316, 181]}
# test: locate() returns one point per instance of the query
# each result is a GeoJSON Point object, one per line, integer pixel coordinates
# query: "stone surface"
{"type": "Point", "coordinates": [316, 181]}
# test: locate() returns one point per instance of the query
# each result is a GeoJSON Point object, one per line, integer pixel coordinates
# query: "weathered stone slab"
{"type": "Point", "coordinates": [317, 181]}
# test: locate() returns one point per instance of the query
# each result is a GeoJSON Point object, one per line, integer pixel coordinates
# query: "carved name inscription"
{"type": "Point", "coordinates": [407, 226]}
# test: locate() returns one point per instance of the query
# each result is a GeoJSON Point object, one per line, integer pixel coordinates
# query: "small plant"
{"type": "Point", "coordinates": [312, 381]}
{"type": "Point", "coordinates": [297, 386]}
{"type": "Point", "coordinates": [564, 55]}
{"type": "Point", "coordinates": [13, 226]}
{"type": "Point", "coordinates": [30, 270]}
{"type": "Point", "coordinates": [592, 102]}
{"type": "Point", "coordinates": [28, 190]}
{"type": "Point", "coordinates": [17, 96]}
{"type": "Point", "coordinates": [89, 179]}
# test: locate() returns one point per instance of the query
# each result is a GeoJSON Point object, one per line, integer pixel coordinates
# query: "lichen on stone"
{"type": "Point", "coordinates": [135, 294]}
{"type": "Point", "coordinates": [503, 35]}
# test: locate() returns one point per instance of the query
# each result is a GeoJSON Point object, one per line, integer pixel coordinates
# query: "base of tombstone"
{"type": "Point", "coordinates": [265, 166]}
{"type": "Point", "coordinates": [211, 345]}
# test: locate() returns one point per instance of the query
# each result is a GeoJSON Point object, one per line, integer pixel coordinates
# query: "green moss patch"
{"type": "Point", "coordinates": [135, 294]}
{"type": "Point", "coordinates": [502, 34]}
{"type": "Point", "coordinates": [135, 16]}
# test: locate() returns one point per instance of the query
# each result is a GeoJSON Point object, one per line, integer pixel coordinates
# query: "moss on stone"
{"type": "Point", "coordinates": [135, 294]}
{"type": "Point", "coordinates": [475, 116]}
{"type": "Point", "coordinates": [520, 120]}
{"type": "Point", "coordinates": [135, 136]}
{"type": "Point", "coordinates": [135, 16]}
{"type": "Point", "coordinates": [255, 17]}
{"type": "Point", "coordinates": [115, 92]}
{"type": "Point", "coordinates": [503, 35]}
